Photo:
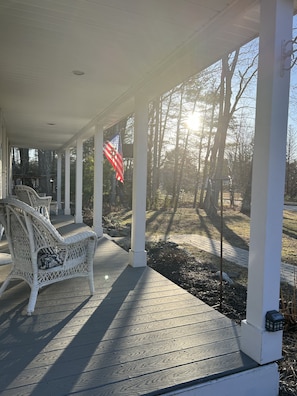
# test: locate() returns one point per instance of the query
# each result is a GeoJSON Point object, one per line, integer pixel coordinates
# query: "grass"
{"type": "Point", "coordinates": [236, 227]}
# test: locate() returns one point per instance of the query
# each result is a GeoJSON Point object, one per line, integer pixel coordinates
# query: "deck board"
{"type": "Point", "coordinates": [140, 334]}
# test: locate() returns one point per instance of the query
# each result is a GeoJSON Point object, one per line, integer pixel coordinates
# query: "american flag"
{"type": "Point", "coordinates": [113, 152]}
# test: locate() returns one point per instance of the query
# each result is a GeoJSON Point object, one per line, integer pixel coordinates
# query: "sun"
{"type": "Point", "coordinates": [193, 121]}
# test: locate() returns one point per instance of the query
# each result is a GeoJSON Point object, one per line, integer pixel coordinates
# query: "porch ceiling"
{"type": "Point", "coordinates": [123, 47]}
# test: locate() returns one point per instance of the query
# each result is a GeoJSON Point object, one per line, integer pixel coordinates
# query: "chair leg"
{"type": "Point", "coordinates": [32, 300]}
{"type": "Point", "coordinates": [91, 284]}
{"type": "Point", "coordinates": [4, 285]}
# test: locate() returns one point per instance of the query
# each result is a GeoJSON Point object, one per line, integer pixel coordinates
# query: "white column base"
{"type": "Point", "coordinates": [260, 345]}
{"type": "Point", "coordinates": [67, 211]}
{"type": "Point", "coordinates": [137, 259]}
{"type": "Point", "coordinates": [98, 229]}
{"type": "Point", "coordinates": [78, 219]}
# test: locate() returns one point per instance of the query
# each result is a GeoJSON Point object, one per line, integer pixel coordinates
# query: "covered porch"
{"type": "Point", "coordinates": [128, 53]}
{"type": "Point", "coordinates": [140, 334]}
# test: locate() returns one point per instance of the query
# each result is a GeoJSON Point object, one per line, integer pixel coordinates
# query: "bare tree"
{"type": "Point", "coordinates": [226, 112]}
{"type": "Point", "coordinates": [45, 165]}
{"type": "Point", "coordinates": [24, 159]}
{"type": "Point", "coordinates": [175, 187]}
{"type": "Point", "coordinates": [291, 163]}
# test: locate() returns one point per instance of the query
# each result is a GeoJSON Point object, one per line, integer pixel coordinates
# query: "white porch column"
{"type": "Point", "coordinates": [5, 160]}
{"type": "Point", "coordinates": [6, 170]}
{"type": "Point", "coordinates": [98, 181]}
{"type": "Point", "coordinates": [1, 164]}
{"type": "Point", "coordinates": [137, 254]}
{"type": "Point", "coordinates": [79, 181]}
{"type": "Point", "coordinates": [268, 183]}
{"type": "Point", "coordinates": [59, 181]}
{"type": "Point", "coordinates": [67, 210]}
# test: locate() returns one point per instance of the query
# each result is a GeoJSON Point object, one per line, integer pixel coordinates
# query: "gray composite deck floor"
{"type": "Point", "coordinates": [140, 334]}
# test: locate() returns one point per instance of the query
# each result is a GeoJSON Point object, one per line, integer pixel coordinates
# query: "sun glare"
{"type": "Point", "coordinates": [193, 121]}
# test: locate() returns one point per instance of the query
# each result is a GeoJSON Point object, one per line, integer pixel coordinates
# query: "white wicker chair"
{"type": "Point", "coordinates": [29, 195]}
{"type": "Point", "coordinates": [40, 255]}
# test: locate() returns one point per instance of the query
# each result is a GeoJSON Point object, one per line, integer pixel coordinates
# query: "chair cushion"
{"type": "Point", "coordinates": [47, 260]}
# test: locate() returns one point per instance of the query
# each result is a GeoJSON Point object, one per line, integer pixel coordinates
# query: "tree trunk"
{"type": "Point", "coordinates": [181, 173]}
{"type": "Point", "coordinates": [218, 151]}
{"type": "Point", "coordinates": [176, 152]}
{"type": "Point", "coordinates": [156, 169]}
{"type": "Point", "coordinates": [150, 158]}
{"type": "Point", "coordinates": [24, 157]}
{"type": "Point", "coordinates": [246, 199]}
{"type": "Point", "coordinates": [206, 159]}
{"type": "Point", "coordinates": [45, 163]}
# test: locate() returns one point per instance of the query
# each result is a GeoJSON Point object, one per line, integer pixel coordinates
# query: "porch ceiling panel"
{"type": "Point", "coordinates": [122, 46]}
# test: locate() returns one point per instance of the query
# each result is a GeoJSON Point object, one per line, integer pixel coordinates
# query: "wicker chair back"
{"type": "Point", "coordinates": [29, 196]}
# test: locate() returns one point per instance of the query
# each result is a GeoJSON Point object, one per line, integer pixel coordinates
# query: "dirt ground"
{"type": "Point", "coordinates": [200, 277]}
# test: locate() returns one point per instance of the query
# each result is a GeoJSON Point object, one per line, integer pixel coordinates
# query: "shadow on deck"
{"type": "Point", "coordinates": [140, 334]}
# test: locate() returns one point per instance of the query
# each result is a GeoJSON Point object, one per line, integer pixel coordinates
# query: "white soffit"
{"type": "Point", "coordinates": [122, 46]}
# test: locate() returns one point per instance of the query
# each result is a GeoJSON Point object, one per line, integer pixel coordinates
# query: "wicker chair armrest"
{"type": "Point", "coordinates": [45, 200]}
{"type": "Point", "coordinates": [85, 235]}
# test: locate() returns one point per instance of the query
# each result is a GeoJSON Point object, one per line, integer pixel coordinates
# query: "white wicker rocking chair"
{"type": "Point", "coordinates": [29, 195]}
{"type": "Point", "coordinates": [40, 255]}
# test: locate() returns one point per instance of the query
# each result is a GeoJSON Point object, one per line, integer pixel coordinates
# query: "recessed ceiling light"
{"type": "Point", "coordinates": [78, 72]}
{"type": "Point", "coordinates": [51, 123]}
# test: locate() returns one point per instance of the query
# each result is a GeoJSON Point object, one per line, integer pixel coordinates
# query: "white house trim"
{"type": "Point", "coordinates": [262, 381]}
{"type": "Point", "coordinates": [268, 183]}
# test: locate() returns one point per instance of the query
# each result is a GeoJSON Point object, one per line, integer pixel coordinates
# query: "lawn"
{"type": "Point", "coordinates": [236, 227]}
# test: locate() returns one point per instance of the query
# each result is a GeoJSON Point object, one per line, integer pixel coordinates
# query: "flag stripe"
{"type": "Point", "coordinates": [113, 152]}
